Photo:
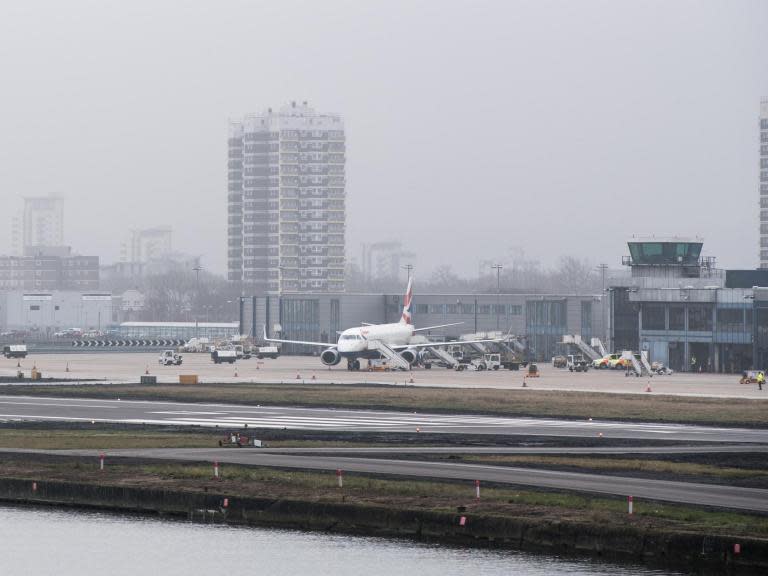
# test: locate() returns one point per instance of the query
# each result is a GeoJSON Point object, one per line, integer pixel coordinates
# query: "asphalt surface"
{"type": "Point", "coordinates": [111, 367]}
{"type": "Point", "coordinates": [749, 499]}
{"type": "Point", "coordinates": [27, 408]}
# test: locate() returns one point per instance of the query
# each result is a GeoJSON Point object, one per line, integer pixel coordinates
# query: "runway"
{"type": "Point", "coordinates": [715, 495]}
{"type": "Point", "coordinates": [26, 408]}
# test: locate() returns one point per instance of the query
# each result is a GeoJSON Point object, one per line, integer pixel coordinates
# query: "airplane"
{"type": "Point", "coordinates": [372, 341]}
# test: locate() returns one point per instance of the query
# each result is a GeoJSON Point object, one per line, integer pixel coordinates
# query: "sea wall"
{"type": "Point", "coordinates": [696, 553]}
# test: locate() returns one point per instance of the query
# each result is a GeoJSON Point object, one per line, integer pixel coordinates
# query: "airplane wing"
{"type": "Point", "coordinates": [439, 344]}
{"type": "Point", "coordinates": [323, 344]}
{"type": "Point", "coordinates": [438, 326]}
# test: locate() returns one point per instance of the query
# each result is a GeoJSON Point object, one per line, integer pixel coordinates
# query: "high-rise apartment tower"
{"type": "Point", "coordinates": [286, 201]}
{"type": "Point", "coordinates": [43, 223]}
{"type": "Point", "coordinates": [764, 184]}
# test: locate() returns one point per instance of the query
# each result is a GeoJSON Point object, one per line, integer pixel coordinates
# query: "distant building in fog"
{"type": "Point", "coordinates": [286, 201]}
{"type": "Point", "coordinates": [42, 223]}
{"type": "Point", "coordinates": [151, 244]}
{"type": "Point", "coordinates": [764, 184]}
{"type": "Point", "coordinates": [49, 270]}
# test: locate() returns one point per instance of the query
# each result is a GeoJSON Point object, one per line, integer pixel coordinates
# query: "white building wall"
{"type": "Point", "coordinates": [53, 311]}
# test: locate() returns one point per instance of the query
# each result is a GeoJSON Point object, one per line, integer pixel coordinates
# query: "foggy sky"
{"type": "Point", "coordinates": [555, 127]}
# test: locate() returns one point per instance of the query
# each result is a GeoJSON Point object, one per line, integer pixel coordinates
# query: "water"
{"type": "Point", "coordinates": [38, 541]}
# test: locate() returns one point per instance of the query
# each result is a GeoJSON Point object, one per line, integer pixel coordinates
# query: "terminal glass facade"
{"type": "Point", "coordinates": [178, 330]}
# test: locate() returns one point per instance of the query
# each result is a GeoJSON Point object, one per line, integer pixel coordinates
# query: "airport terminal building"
{"type": "Point", "coordinates": [685, 312]}
{"type": "Point", "coordinates": [543, 319]}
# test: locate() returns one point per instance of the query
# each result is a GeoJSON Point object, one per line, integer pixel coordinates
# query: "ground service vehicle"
{"type": "Point", "coordinates": [242, 353]}
{"type": "Point", "coordinates": [266, 352]}
{"type": "Point", "coordinates": [577, 364]}
{"type": "Point", "coordinates": [15, 351]}
{"type": "Point", "coordinates": [169, 358]}
{"type": "Point", "coordinates": [492, 361]}
{"type": "Point", "coordinates": [219, 356]}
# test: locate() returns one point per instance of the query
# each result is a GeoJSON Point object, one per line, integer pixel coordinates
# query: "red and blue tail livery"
{"type": "Point", "coordinates": [407, 317]}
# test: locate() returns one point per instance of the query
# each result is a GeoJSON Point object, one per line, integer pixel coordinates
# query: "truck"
{"type": "Point", "coordinates": [169, 358]}
{"type": "Point", "coordinates": [242, 353]}
{"type": "Point", "coordinates": [15, 351]}
{"type": "Point", "coordinates": [224, 355]}
{"type": "Point", "coordinates": [262, 352]}
{"type": "Point", "coordinates": [577, 363]}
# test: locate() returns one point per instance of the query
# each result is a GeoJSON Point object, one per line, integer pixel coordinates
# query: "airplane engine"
{"type": "Point", "coordinates": [410, 355]}
{"type": "Point", "coordinates": [330, 357]}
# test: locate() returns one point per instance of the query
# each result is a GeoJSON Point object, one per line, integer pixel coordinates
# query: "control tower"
{"type": "Point", "coordinates": [668, 258]}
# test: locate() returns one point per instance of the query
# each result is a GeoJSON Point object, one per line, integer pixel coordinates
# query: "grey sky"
{"type": "Point", "coordinates": [560, 127]}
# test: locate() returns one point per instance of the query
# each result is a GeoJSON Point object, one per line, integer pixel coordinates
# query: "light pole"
{"type": "Point", "coordinates": [603, 268]}
{"type": "Point", "coordinates": [197, 295]}
{"type": "Point", "coordinates": [498, 268]}
{"type": "Point", "coordinates": [408, 268]}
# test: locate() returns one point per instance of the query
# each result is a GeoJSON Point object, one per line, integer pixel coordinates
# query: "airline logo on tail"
{"type": "Point", "coordinates": [407, 317]}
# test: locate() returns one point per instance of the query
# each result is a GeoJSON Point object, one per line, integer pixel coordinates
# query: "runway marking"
{"type": "Point", "coordinates": [57, 405]}
{"type": "Point", "coordinates": [191, 413]}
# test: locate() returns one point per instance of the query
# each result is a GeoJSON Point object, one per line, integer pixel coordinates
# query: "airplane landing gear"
{"type": "Point", "coordinates": [353, 365]}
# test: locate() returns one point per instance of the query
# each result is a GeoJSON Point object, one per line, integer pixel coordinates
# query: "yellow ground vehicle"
{"type": "Point", "coordinates": [750, 376]}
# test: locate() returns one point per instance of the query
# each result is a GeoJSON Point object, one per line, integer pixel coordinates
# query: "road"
{"type": "Point", "coordinates": [750, 499]}
{"type": "Point", "coordinates": [27, 408]}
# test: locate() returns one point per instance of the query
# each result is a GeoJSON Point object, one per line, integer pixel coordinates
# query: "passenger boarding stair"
{"type": "Point", "coordinates": [581, 345]}
{"type": "Point", "coordinates": [394, 358]}
{"type": "Point", "coordinates": [638, 365]}
{"type": "Point", "coordinates": [445, 356]}
{"type": "Point", "coordinates": [597, 344]}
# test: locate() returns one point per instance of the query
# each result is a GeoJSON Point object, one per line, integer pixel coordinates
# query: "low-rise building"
{"type": "Point", "coordinates": [44, 271]}
{"type": "Point", "coordinates": [44, 313]}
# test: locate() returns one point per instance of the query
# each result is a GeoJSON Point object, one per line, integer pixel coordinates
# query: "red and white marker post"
{"type": "Point", "coordinates": [340, 476]}
{"type": "Point", "coordinates": [630, 506]}
{"type": "Point", "coordinates": [101, 461]}
{"type": "Point", "coordinates": [477, 489]}
{"type": "Point", "coordinates": [216, 469]}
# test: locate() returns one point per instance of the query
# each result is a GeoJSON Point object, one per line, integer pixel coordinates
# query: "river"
{"type": "Point", "coordinates": [42, 541]}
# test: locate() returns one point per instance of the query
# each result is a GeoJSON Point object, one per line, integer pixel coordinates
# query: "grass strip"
{"type": "Point", "coordinates": [608, 464]}
{"type": "Point", "coordinates": [402, 494]}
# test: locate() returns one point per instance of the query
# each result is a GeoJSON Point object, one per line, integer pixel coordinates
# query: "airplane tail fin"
{"type": "Point", "coordinates": [407, 317]}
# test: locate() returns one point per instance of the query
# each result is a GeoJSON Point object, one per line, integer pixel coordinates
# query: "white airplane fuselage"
{"type": "Point", "coordinates": [353, 342]}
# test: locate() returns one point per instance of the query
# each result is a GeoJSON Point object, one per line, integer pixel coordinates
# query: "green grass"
{"type": "Point", "coordinates": [620, 464]}
{"type": "Point", "coordinates": [403, 494]}
{"type": "Point", "coordinates": [517, 402]}
{"type": "Point", "coordinates": [100, 439]}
